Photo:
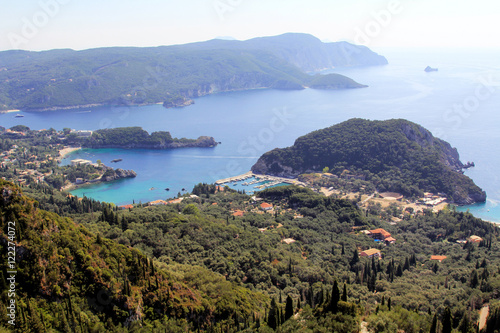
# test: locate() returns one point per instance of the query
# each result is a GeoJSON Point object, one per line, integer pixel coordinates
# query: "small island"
{"type": "Point", "coordinates": [430, 69]}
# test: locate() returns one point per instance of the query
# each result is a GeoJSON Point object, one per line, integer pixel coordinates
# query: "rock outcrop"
{"type": "Point", "coordinates": [110, 174]}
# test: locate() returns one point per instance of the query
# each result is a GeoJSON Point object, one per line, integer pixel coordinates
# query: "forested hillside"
{"type": "Point", "coordinates": [70, 280]}
{"type": "Point", "coordinates": [199, 265]}
{"type": "Point", "coordinates": [127, 75]}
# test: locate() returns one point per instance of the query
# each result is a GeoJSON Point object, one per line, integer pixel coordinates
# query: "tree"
{"type": "Point", "coordinates": [434, 325]}
{"type": "Point", "coordinates": [465, 325]}
{"type": "Point", "coordinates": [273, 316]}
{"type": "Point", "coordinates": [288, 308]}
{"type": "Point", "coordinates": [355, 258]}
{"type": "Point", "coordinates": [446, 321]}
{"type": "Point", "coordinates": [335, 297]}
{"type": "Point", "coordinates": [326, 169]}
{"type": "Point", "coordinates": [474, 280]}
{"type": "Point", "coordinates": [344, 294]}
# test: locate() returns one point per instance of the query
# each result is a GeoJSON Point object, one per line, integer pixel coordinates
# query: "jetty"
{"type": "Point", "coordinates": [267, 180]}
{"type": "Point", "coordinates": [244, 176]}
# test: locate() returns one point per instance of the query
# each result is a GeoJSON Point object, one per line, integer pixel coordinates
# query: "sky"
{"type": "Point", "coordinates": [81, 24]}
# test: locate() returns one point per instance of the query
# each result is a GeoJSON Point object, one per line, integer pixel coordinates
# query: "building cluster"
{"type": "Point", "coordinates": [380, 235]}
{"type": "Point", "coordinates": [431, 200]}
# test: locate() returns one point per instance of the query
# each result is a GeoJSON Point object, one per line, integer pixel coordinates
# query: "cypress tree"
{"type": "Point", "coordinates": [355, 257]}
{"type": "Point", "coordinates": [446, 321]}
{"type": "Point", "coordinates": [273, 317]}
{"type": "Point", "coordinates": [288, 308]}
{"type": "Point", "coordinates": [335, 297]}
{"type": "Point", "coordinates": [464, 326]}
{"type": "Point", "coordinates": [433, 325]}
{"type": "Point", "coordinates": [344, 295]}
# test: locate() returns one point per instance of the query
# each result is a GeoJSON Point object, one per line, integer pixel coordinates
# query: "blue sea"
{"type": "Point", "coordinates": [459, 103]}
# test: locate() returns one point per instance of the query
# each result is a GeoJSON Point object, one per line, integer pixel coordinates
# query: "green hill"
{"type": "Point", "coordinates": [396, 155]}
{"type": "Point", "coordinates": [136, 137]}
{"type": "Point", "coordinates": [70, 280]}
{"type": "Point", "coordinates": [133, 76]}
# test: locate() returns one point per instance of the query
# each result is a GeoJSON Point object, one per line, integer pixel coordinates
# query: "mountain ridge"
{"type": "Point", "coordinates": [64, 78]}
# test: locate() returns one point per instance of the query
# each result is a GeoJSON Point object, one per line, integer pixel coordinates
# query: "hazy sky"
{"type": "Point", "coordinates": [81, 24]}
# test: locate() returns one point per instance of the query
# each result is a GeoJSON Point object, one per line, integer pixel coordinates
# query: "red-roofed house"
{"type": "Point", "coordinates": [127, 206]}
{"type": "Point", "coordinates": [371, 253]}
{"type": "Point", "coordinates": [438, 258]}
{"type": "Point", "coordinates": [266, 206]}
{"type": "Point", "coordinates": [238, 213]}
{"type": "Point", "coordinates": [475, 239]}
{"type": "Point", "coordinates": [379, 234]}
{"type": "Point", "coordinates": [157, 202]}
{"type": "Point", "coordinates": [390, 240]}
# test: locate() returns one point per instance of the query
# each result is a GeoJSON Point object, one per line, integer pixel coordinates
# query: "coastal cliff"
{"type": "Point", "coordinates": [396, 155]}
{"type": "Point", "coordinates": [114, 174]}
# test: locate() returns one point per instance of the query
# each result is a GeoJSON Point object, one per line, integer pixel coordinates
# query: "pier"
{"type": "Point", "coordinates": [270, 180]}
{"type": "Point", "coordinates": [244, 176]}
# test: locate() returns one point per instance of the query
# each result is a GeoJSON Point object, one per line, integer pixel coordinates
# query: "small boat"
{"type": "Point", "coordinates": [167, 189]}
{"type": "Point", "coordinates": [183, 189]}
{"type": "Point", "coordinates": [116, 160]}
{"type": "Point", "coordinates": [19, 116]}
{"type": "Point", "coordinates": [152, 188]}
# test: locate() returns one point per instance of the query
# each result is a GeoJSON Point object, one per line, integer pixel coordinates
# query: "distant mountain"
{"type": "Point", "coordinates": [133, 76]}
{"type": "Point", "coordinates": [397, 155]}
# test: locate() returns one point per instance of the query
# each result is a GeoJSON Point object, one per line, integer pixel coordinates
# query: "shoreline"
{"type": "Point", "coordinates": [10, 111]}
{"type": "Point", "coordinates": [66, 151]}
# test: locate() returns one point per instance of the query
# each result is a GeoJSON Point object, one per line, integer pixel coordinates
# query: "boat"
{"type": "Point", "coordinates": [167, 189]}
{"type": "Point", "coordinates": [116, 160]}
{"type": "Point", "coordinates": [19, 116]}
{"type": "Point", "coordinates": [152, 188]}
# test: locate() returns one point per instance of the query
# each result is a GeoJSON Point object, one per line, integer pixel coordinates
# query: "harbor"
{"type": "Point", "coordinates": [250, 182]}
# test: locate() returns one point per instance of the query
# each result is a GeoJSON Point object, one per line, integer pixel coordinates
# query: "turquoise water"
{"type": "Point", "coordinates": [250, 123]}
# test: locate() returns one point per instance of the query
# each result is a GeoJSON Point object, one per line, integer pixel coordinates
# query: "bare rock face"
{"type": "Point", "coordinates": [111, 174]}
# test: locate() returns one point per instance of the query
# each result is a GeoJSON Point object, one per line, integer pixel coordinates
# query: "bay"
{"type": "Point", "coordinates": [459, 103]}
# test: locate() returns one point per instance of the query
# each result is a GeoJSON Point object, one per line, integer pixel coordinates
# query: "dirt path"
{"type": "Point", "coordinates": [483, 314]}
{"type": "Point", "coordinates": [363, 329]}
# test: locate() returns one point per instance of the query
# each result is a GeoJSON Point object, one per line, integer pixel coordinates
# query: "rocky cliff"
{"type": "Point", "coordinates": [110, 174]}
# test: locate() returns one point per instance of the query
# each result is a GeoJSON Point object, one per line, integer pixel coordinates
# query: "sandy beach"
{"type": "Point", "coordinates": [9, 111]}
{"type": "Point", "coordinates": [65, 151]}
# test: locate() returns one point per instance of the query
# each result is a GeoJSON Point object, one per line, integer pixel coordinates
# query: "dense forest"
{"type": "Point", "coordinates": [196, 265]}
{"type": "Point", "coordinates": [395, 155]}
{"type": "Point", "coordinates": [126, 75]}
{"type": "Point", "coordinates": [136, 137]}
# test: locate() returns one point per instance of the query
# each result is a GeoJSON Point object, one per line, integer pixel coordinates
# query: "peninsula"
{"type": "Point", "coordinates": [136, 138]}
{"type": "Point", "coordinates": [394, 155]}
